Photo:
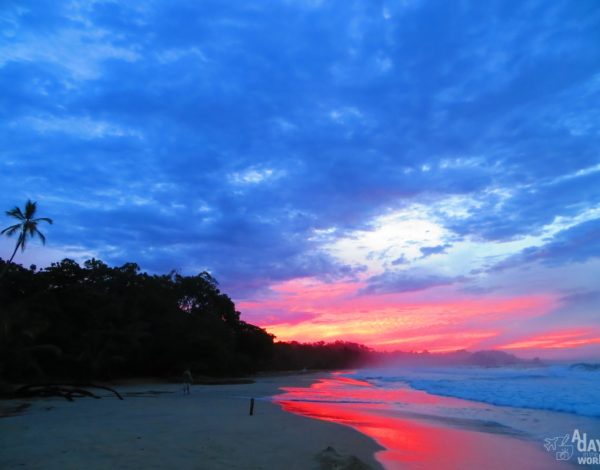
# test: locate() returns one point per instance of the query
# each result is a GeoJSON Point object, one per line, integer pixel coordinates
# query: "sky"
{"type": "Point", "coordinates": [408, 174]}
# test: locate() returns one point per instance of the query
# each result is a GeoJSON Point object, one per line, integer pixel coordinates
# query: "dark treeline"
{"type": "Point", "coordinates": [99, 322]}
{"type": "Point", "coordinates": [320, 355]}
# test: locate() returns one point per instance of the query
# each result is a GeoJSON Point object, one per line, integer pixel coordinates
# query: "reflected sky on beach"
{"type": "Point", "coordinates": [416, 429]}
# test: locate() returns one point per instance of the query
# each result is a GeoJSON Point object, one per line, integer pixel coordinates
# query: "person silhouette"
{"type": "Point", "coordinates": [187, 381]}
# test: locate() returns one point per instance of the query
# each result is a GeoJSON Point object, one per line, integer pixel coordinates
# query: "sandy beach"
{"type": "Point", "coordinates": [307, 421]}
{"type": "Point", "coordinates": [210, 429]}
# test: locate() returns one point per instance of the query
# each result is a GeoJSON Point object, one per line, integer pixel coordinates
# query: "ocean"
{"type": "Point", "coordinates": [569, 388]}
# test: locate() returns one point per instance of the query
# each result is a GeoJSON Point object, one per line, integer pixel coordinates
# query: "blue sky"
{"type": "Point", "coordinates": [435, 148]}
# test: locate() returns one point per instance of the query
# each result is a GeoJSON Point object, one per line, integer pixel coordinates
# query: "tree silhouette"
{"type": "Point", "coordinates": [27, 227]}
{"type": "Point", "coordinates": [99, 322]}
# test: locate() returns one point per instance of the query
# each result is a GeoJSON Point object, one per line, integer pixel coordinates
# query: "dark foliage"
{"type": "Point", "coordinates": [97, 322]}
{"type": "Point", "coordinates": [320, 355]}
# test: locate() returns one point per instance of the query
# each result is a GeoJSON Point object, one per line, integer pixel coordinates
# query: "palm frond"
{"type": "Point", "coordinates": [30, 208]}
{"type": "Point", "coordinates": [28, 226]}
{"type": "Point", "coordinates": [9, 231]}
{"type": "Point", "coordinates": [41, 236]}
{"type": "Point", "coordinates": [16, 213]}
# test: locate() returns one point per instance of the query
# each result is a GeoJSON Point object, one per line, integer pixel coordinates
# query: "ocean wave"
{"type": "Point", "coordinates": [562, 388]}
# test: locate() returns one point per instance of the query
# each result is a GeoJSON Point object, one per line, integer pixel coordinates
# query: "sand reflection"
{"type": "Point", "coordinates": [413, 442]}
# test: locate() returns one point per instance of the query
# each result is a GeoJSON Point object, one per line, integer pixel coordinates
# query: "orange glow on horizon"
{"type": "Point", "coordinates": [307, 310]}
{"type": "Point", "coordinates": [437, 320]}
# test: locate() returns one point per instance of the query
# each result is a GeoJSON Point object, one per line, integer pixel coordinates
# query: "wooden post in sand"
{"type": "Point", "coordinates": [251, 406]}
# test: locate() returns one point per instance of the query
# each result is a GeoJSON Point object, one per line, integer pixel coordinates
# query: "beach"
{"type": "Point", "coordinates": [307, 421]}
{"type": "Point", "coordinates": [156, 426]}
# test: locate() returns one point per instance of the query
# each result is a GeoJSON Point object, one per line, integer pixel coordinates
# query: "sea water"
{"type": "Point", "coordinates": [569, 388]}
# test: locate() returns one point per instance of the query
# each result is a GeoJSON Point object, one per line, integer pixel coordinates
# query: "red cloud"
{"type": "Point", "coordinates": [439, 320]}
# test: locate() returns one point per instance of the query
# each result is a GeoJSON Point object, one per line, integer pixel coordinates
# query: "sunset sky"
{"type": "Point", "coordinates": [407, 174]}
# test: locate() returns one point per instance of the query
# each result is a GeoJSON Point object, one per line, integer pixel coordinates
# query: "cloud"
{"type": "Point", "coordinates": [60, 41]}
{"type": "Point", "coordinates": [573, 245]}
{"type": "Point", "coordinates": [400, 260]}
{"type": "Point", "coordinates": [80, 126]}
{"type": "Point", "coordinates": [309, 138]}
{"type": "Point", "coordinates": [252, 176]}
{"type": "Point", "coordinates": [434, 250]}
{"type": "Point", "coordinates": [398, 282]}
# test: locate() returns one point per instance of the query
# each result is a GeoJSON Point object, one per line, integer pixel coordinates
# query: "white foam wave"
{"type": "Point", "coordinates": [564, 388]}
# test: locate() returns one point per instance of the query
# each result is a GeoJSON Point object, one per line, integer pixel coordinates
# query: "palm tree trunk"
{"type": "Point", "coordinates": [15, 252]}
{"type": "Point", "coordinates": [8, 263]}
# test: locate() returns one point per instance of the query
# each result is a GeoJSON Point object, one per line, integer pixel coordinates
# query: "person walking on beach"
{"type": "Point", "coordinates": [187, 381]}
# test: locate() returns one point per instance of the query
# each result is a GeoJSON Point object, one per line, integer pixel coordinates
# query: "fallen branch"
{"type": "Point", "coordinates": [67, 391]}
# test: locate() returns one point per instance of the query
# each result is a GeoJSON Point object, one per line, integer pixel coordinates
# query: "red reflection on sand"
{"type": "Point", "coordinates": [411, 442]}
{"type": "Point", "coordinates": [343, 389]}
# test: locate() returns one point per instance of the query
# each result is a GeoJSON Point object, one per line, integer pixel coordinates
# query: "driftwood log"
{"type": "Point", "coordinates": [67, 391]}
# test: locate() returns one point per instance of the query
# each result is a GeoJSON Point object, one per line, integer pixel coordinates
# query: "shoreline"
{"type": "Point", "coordinates": [157, 427]}
{"type": "Point", "coordinates": [418, 430]}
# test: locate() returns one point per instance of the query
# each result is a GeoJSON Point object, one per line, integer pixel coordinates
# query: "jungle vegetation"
{"type": "Point", "coordinates": [97, 322]}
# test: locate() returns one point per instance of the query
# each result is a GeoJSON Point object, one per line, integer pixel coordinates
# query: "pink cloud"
{"type": "Point", "coordinates": [440, 319]}
{"type": "Point", "coordinates": [562, 339]}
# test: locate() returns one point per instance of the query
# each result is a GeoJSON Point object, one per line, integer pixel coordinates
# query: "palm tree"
{"type": "Point", "coordinates": [27, 227]}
